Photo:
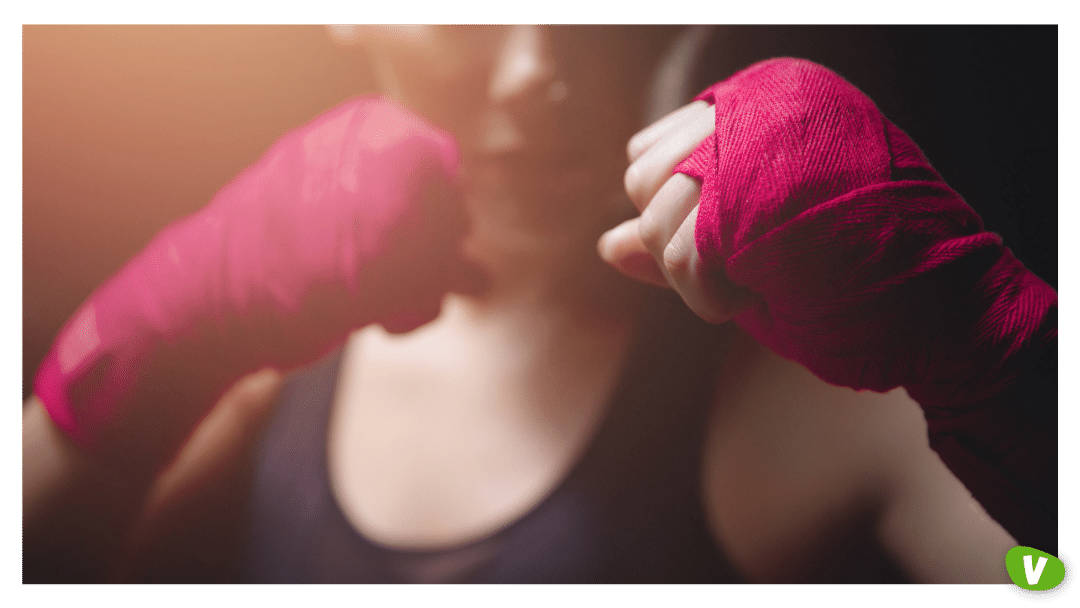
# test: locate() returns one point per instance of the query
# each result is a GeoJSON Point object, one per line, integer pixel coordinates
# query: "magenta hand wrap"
{"type": "Point", "coordinates": [874, 274]}
{"type": "Point", "coordinates": [351, 219]}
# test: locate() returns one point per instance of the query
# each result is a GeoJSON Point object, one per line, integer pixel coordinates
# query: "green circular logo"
{"type": "Point", "coordinates": [1033, 569]}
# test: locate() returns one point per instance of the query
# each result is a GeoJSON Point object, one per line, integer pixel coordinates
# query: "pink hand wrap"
{"type": "Point", "coordinates": [875, 274]}
{"type": "Point", "coordinates": [348, 220]}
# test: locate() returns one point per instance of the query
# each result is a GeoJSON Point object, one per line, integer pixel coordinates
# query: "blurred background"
{"type": "Point", "coordinates": [127, 128]}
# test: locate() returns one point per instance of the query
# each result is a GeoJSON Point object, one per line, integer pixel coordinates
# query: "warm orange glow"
{"type": "Point", "coordinates": [126, 128]}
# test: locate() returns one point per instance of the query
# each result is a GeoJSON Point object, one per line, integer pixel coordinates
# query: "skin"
{"type": "Point", "coordinates": [668, 205]}
{"type": "Point", "coordinates": [868, 452]}
{"type": "Point", "coordinates": [790, 466]}
{"type": "Point", "coordinates": [551, 305]}
{"type": "Point", "coordinates": [83, 522]}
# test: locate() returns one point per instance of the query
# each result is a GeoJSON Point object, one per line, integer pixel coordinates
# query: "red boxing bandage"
{"type": "Point", "coordinates": [351, 219]}
{"type": "Point", "coordinates": [875, 274]}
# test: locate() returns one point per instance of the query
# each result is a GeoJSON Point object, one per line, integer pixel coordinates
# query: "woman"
{"type": "Point", "coordinates": [557, 423]}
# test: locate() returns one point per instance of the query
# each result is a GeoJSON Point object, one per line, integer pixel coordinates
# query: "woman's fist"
{"type": "Point", "coordinates": [353, 218]}
{"type": "Point", "coordinates": [658, 246]}
{"type": "Point", "coordinates": [819, 225]}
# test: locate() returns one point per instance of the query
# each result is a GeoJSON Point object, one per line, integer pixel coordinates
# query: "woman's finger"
{"type": "Point", "coordinates": [647, 137]}
{"type": "Point", "coordinates": [651, 170]}
{"type": "Point", "coordinates": [709, 295]}
{"type": "Point", "coordinates": [678, 196]}
{"type": "Point", "coordinates": [621, 247]}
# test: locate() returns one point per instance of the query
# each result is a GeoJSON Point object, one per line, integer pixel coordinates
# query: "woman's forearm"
{"type": "Point", "coordinates": [351, 219]}
{"type": "Point", "coordinates": [874, 274]}
{"type": "Point", "coordinates": [76, 511]}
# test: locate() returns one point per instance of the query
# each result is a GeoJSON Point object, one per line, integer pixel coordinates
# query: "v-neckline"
{"type": "Point", "coordinates": [476, 546]}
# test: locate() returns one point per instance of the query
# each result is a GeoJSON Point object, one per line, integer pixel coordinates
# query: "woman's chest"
{"type": "Point", "coordinates": [444, 436]}
{"type": "Point", "coordinates": [441, 439]}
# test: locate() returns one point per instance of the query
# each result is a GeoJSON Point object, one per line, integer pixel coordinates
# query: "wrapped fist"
{"type": "Point", "coordinates": [351, 219]}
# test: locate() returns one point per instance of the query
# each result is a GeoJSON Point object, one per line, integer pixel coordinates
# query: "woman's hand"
{"type": "Point", "coordinates": [868, 269]}
{"type": "Point", "coordinates": [354, 218]}
{"type": "Point", "coordinates": [658, 246]}
{"type": "Point", "coordinates": [812, 226]}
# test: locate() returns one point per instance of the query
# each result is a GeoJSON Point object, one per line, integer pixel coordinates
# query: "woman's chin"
{"type": "Point", "coordinates": [411, 320]}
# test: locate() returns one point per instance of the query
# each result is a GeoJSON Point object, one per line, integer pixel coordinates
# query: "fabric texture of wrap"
{"type": "Point", "coordinates": [874, 274]}
{"type": "Point", "coordinates": [351, 219]}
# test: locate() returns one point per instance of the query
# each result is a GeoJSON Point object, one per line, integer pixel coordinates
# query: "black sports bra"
{"type": "Point", "coordinates": [629, 511]}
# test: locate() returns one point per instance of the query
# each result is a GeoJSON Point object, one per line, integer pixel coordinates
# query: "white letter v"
{"type": "Point", "coordinates": [1033, 575]}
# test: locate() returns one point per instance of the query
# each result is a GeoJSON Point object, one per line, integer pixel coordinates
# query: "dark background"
{"type": "Point", "coordinates": [981, 102]}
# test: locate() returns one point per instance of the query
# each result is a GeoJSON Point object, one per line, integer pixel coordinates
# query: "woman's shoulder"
{"type": "Point", "coordinates": [808, 481]}
{"type": "Point", "coordinates": [792, 464]}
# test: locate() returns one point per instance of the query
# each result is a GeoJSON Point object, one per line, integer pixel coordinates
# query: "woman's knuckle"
{"type": "Point", "coordinates": [676, 261]}
{"type": "Point", "coordinates": [633, 180]}
{"type": "Point", "coordinates": [650, 231]}
{"type": "Point", "coordinates": [634, 146]}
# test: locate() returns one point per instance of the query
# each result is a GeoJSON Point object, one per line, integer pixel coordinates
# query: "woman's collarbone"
{"type": "Point", "coordinates": [442, 437]}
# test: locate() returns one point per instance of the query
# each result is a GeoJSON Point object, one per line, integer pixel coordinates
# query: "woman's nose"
{"type": "Point", "coordinates": [522, 80]}
{"type": "Point", "coordinates": [523, 65]}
